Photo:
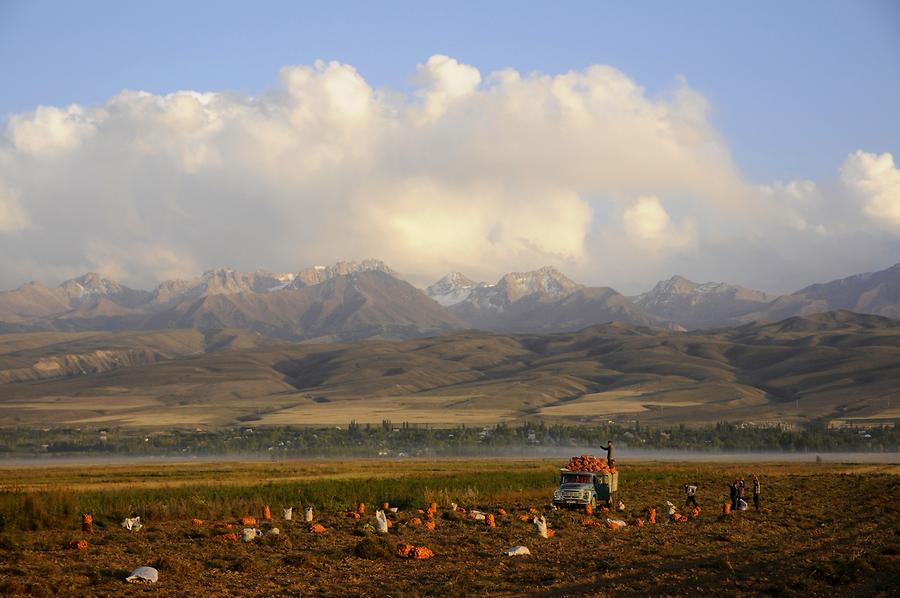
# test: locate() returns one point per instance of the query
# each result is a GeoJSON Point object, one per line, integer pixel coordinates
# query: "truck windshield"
{"type": "Point", "coordinates": [576, 478]}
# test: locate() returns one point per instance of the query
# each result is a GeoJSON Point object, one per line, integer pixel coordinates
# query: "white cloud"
{"type": "Point", "coordinates": [876, 181]}
{"type": "Point", "coordinates": [482, 173]}
{"type": "Point", "coordinates": [49, 130]}
{"type": "Point", "coordinates": [444, 80]}
{"type": "Point", "coordinates": [796, 203]}
{"type": "Point", "coordinates": [647, 222]}
{"type": "Point", "coordinates": [12, 216]}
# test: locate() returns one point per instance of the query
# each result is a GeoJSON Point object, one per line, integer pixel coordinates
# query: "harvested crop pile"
{"type": "Point", "coordinates": [78, 545]}
{"type": "Point", "coordinates": [589, 463]}
{"type": "Point", "coordinates": [317, 528]}
{"type": "Point", "coordinates": [409, 551]}
{"type": "Point", "coordinates": [248, 520]}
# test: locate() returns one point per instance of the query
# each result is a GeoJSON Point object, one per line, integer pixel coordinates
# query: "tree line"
{"type": "Point", "coordinates": [404, 439]}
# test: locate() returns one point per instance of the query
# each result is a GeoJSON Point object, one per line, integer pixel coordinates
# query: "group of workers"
{"type": "Point", "coordinates": [736, 491]}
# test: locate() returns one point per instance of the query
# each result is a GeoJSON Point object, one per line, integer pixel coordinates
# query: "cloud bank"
{"type": "Point", "coordinates": [482, 173]}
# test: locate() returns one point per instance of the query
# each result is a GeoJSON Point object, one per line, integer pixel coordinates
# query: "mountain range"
{"type": "Point", "coordinates": [367, 300]}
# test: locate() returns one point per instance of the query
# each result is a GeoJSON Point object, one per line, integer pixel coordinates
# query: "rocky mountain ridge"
{"type": "Point", "coordinates": [367, 299]}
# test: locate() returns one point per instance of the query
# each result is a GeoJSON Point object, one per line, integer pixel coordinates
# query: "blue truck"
{"type": "Point", "coordinates": [580, 488]}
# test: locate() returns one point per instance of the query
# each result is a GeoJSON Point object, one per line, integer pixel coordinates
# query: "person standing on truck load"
{"type": "Point", "coordinates": [610, 460]}
{"type": "Point", "coordinates": [756, 493]}
{"type": "Point", "coordinates": [691, 490]}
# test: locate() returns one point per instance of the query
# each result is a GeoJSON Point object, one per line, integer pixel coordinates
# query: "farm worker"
{"type": "Point", "coordinates": [610, 459]}
{"type": "Point", "coordinates": [756, 493]}
{"type": "Point", "coordinates": [733, 494]}
{"type": "Point", "coordinates": [691, 490]}
{"type": "Point", "coordinates": [671, 511]}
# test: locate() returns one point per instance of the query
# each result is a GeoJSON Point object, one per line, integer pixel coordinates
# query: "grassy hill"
{"type": "Point", "coordinates": [836, 366]}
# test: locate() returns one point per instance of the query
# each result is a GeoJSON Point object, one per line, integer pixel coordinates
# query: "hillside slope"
{"type": "Point", "coordinates": [835, 366]}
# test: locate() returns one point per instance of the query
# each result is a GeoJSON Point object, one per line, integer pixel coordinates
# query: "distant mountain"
{"type": "Point", "coordinates": [34, 301]}
{"type": "Point", "coordinates": [452, 289]}
{"type": "Point", "coordinates": [350, 301]}
{"type": "Point", "coordinates": [872, 293]}
{"type": "Point", "coordinates": [222, 281]}
{"type": "Point", "coordinates": [363, 304]}
{"type": "Point", "coordinates": [354, 300]}
{"type": "Point", "coordinates": [319, 274]}
{"type": "Point", "coordinates": [544, 300]}
{"type": "Point", "coordinates": [93, 286]}
{"type": "Point", "coordinates": [692, 305]}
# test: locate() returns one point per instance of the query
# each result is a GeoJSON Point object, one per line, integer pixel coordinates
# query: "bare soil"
{"type": "Point", "coordinates": [824, 530]}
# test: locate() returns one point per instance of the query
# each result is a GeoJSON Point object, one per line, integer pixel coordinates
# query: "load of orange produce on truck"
{"type": "Point", "coordinates": [589, 463]}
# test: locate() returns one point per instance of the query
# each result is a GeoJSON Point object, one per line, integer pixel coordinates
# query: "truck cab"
{"type": "Point", "coordinates": [579, 488]}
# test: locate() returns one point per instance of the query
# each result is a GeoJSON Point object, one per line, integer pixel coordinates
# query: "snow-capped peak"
{"type": "Point", "coordinates": [319, 274]}
{"type": "Point", "coordinates": [680, 289]}
{"type": "Point", "coordinates": [548, 282]}
{"type": "Point", "coordinates": [90, 284]}
{"type": "Point", "coordinates": [452, 289]}
{"type": "Point", "coordinates": [545, 284]}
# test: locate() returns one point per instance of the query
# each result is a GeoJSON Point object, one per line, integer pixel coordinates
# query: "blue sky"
{"type": "Point", "coordinates": [754, 142]}
{"type": "Point", "coordinates": [795, 86]}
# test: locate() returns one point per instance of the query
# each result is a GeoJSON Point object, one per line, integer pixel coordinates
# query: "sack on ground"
{"type": "Point", "coordinates": [615, 523]}
{"type": "Point", "coordinates": [540, 526]}
{"type": "Point", "coordinates": [381, 523]}
{"type": "Point", "coordinates": [143, 575]}
{"type": "Point", "coordinates": [249, 534]}
{"type": "Point", "coordinates": [132, 524]}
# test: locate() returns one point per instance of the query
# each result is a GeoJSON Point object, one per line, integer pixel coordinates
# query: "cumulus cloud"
{"type": "Point", "coordinates": [483, 173]}
{"type": "Point", "coordinates": [876, 181]}
{"type": "Point", "coordinates": [647, 222]}
{"type": "Point", "coordinates": [49, 130]}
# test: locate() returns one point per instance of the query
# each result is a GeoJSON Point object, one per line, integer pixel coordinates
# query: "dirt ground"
{"type": "Point", "coordinates": [826, 530]}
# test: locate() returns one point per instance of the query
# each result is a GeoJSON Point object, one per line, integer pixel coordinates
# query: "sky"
{"type": "Point", "coordinates": [621, 142]}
